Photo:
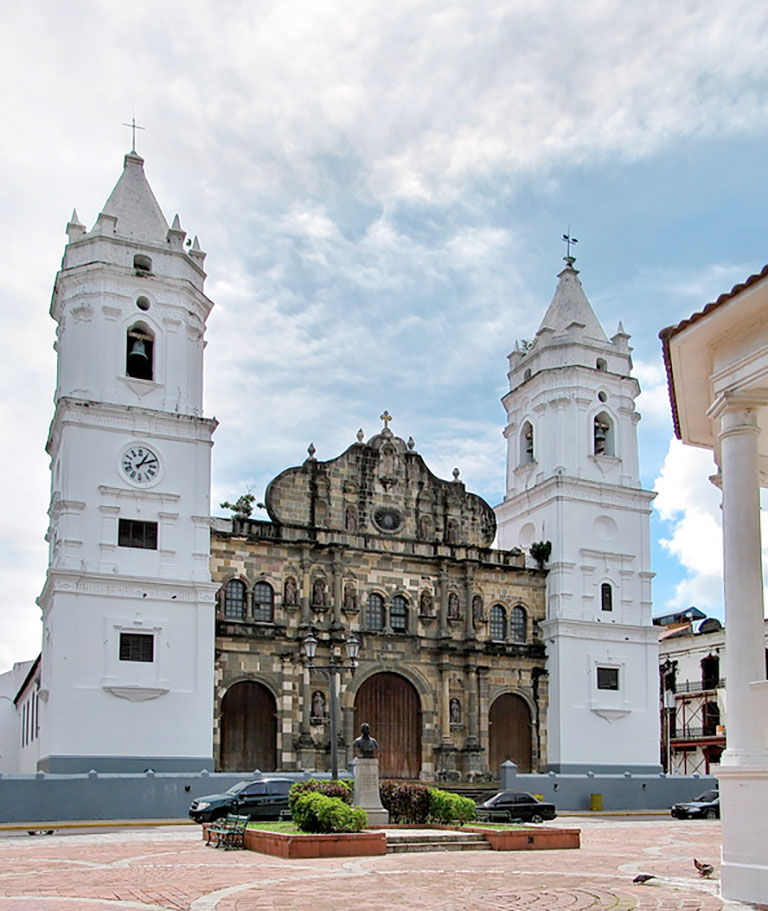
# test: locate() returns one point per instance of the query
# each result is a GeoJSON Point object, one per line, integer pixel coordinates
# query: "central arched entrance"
{"type": "Point", "coordinates": [510, 733]}
{"type": "Point", "coordinates": [390, 704]}
{"type": "Point", "coordinates": [248, 728]}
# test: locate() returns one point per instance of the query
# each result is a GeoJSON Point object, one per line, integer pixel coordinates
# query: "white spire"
{"type": "Point", "coordinates": [570, 305]}
{"type": "Point", "coordinates": [133, 204]}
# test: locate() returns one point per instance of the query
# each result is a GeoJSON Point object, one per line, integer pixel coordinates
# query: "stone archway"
{"type": "Point", "coordinates": [248, 728]}
{"type": "Point", "coordinates": [510, 734]}
{"type": "Point", "coordinates": [391, 705]}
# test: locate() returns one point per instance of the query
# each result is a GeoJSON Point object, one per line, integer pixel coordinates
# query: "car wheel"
{"type": "Point", "coordinates": [537, 817]}
{"type": "Point", "coordinates": [710, 814]}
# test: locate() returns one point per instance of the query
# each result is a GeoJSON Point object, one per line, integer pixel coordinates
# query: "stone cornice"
{"type": "Point", "coordinates": [590, 629]}
{"type": "Point", "coordinates": [579, 490]}
{"type": "Point", "coordinates": [130, 418]}
{"type": "Point", "coordinates": [127, 587]}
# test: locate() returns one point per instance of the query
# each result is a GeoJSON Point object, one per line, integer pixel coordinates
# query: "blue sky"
{"type": "Point", "coordinates": [381, 191]}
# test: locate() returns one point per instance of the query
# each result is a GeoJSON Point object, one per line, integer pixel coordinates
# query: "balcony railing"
{"type": "Point", "coordinates": [688, 732]}
{"type": "Point", "coordinates": [699, 686]}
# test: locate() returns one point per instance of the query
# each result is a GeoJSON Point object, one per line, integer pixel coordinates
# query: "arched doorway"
{"type": "Point", "coordinates": [390, 704]}
{"type": "Point", "coordinates": [248, 728]}
{"type": "Point", "coordinates": [510, 733]}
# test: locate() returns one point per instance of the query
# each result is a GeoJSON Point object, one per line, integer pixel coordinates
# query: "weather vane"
{"type": "Point", "coordinates": [133, 126]}
{"type": "Point", "coordinates": [569, 242]}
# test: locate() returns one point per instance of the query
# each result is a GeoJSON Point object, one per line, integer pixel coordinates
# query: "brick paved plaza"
{"type": "Point", "coordinates": [169, 869]}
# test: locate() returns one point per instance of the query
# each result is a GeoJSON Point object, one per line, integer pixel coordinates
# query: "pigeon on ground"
{"type": "Point", "coordinates": [704, 869]}
{"type": "Point", "coordinates": [643, 877]}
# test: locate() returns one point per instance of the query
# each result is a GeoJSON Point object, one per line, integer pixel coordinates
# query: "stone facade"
{"type": "Point", "coordinates": [373, 544]}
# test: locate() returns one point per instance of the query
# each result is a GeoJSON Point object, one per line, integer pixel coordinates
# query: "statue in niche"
{"type": "Point", "coordinates": [387, 461]}
{"type": "Point", "coordinates": [350, 519]}
{"type": "Point", "coordinates": [425, 604]}
{"type": "Point", "coordinates": [425, 528]}
{"type": "Point", "coordinates": [452, 532]}
{"type": "Point", "coordinates": [455, 711]}
{"type": "Point", "coordinates": [350, 598]}
{"type": "Point", "coordinates": [453, 606]}
{"type": "Point", "coordinates": [318, 704]}
{"type": "Point", "coordinates": [318, 593]}
{"type": "Point", "coordinates": [290, 591]}
{"type": "Point", "coordinates": [477, 609]}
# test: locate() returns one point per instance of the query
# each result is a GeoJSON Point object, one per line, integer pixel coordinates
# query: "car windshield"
{"type": "Point", "coordinates": [236, 788]}
{"type": "Point", "coordinates": [707, 797]}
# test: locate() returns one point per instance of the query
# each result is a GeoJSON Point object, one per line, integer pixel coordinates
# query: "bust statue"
{"type": "Point", "coordinates": [366, 744]}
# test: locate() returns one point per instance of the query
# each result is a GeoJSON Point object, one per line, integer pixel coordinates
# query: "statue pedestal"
{"type": "Point", "coordinates": [367, 791]}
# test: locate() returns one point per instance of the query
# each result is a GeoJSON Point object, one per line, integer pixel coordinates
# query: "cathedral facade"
{"type": "Point", "coordinates": [451, 668]}
{"type": "Point", "coordinates": [177, 641]}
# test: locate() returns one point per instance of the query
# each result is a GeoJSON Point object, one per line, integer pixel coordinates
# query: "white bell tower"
{"type": "Point", "coordinates": [573, 481]}
{"type": "Point", "coordinates": [128, 603]}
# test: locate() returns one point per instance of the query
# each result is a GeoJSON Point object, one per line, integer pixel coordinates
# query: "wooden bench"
{"type": "Point", "coordinates": [229, 833]}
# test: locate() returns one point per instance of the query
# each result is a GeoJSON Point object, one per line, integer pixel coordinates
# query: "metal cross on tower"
{"type": "Point", "coordinates": [569, 242]}
{"type": "Point", "coordinates": [134, 126]}
{"type": "Point", "coordinates": [386, 417]}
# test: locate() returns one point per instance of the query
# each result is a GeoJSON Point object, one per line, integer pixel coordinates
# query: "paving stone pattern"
{"type": "Point", "coordinates": [169, 869]}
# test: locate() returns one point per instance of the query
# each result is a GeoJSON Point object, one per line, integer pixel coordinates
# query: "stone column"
{"type": "Point", "coordinates": [743, 582]}
{"type": "Point", "coordinates": [305, 748]}
{"type": "Point", "coordinates": [336, 592]}
{"type": "Point", "coordinates": [305, 586]}
{"type": "Point", "coordinates": [743, 772]}
{"type": "Point", "coordinates": [469, 583]}
{"type": "Point", "coordinates": [443, 603]}
{"type": "Point", "coordinates": [445, 706]}
{"type": "Point", "coordinates": [473, 727]}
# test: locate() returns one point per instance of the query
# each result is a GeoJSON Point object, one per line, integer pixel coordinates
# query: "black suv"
{"type": "Point", "coordinates": [705, 806]}
{"type": "Point", "coordinates": [507, 806]}
{"type": "Point", "coordinates": [263, 799]}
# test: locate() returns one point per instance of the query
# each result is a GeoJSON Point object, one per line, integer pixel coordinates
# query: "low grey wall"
{"type": "Point", "coordinates": [149, 795]}
{"type": "Point", "coordinates": [618, 792]}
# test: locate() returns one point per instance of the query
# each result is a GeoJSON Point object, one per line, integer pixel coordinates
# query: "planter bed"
{"type": "Point", "coordinates": [529, 839]}
{"type": "Point", "coordinates": [299, 845]}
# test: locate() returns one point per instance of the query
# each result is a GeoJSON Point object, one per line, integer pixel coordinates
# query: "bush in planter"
{"type": "Point", "coordinates": [407, 803]}
{"type": "Point", "coordinates": [338, 788]}
{"type": "Point", "coordinates": [314, 812]}
{"type": "Point", "coordinates": [446, 807]}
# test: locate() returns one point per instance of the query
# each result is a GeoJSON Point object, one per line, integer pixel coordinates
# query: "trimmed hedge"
{"type": "Point", "coordinates": [314, 812]}
{"type": "Point", "coordinates": [331, 788]}
{"type": "Point", "coordinates": [406, 803]}
{"type": "Point", "coordinates": [446, 807]}
{"type": "Point", "coordinates": [415, 804]}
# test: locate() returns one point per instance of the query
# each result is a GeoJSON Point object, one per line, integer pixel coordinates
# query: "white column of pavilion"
{"type": "Point", "coordinates": [717, 363]}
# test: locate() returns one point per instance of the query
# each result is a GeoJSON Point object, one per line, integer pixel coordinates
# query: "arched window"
{"type": "Point", "coordinates": [398, 614]}
{"type": "Point", "coordinates": [518, 622]}
{"type": "Point", "coordinates": [603, 435]}
{"type": "Point", "coordinates": [497, 622]}
{"type": "Point", "coordinates": [142, 263]}
{"type": "Point", "coordinates": [601, 364]}
{"type": "Point", "coordinates": [374, 612]}
{"type": "Point", "coordinates": [139, 352]}
{"type": "Point", "coordinates": [234, 600]}
{"type": "Point", "coordinates": [606, 596]}
{"type": "Point", "coordinates": [526, 443]}
{"type": "Point", "coordinates": [263, 601]}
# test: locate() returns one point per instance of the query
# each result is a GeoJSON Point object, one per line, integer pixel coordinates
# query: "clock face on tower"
{"type": "Point", "coordinates": [140, 464]}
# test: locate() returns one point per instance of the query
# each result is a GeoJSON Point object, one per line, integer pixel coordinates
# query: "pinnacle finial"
{"type": "Point", "coordinates": [456, 474]}
{"type": "Point", "coordinates": [311, 450]}
{"type": "Point", "coordinates": [360, 435]}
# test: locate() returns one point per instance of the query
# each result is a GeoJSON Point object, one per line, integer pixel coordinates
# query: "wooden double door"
{"type": "Point", "coordinates": [510, 733]}
{"type": "Point", "coordinates": [391, 705]}
{"type": "Point", "coordinates": [248, 729]}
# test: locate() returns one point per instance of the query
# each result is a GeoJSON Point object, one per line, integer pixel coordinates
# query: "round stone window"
{"type": "Point", "coordinates": [388, 519]}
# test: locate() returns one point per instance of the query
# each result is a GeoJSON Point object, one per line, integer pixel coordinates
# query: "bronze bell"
{"type": "Point", "coordinates": [138, 352]}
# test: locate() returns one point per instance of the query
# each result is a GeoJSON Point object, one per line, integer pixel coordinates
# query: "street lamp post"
{"type": "Point", "coordinates": [333, 669]}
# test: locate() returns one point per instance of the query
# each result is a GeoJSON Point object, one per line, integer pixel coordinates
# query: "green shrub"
{"type": "Point", "coordinates": [314, 812]}
{"type": "Point", "coordinates": [407, 803]}
{"type": "Point", "coordinates": [334, 788]}
{"type": "Point", "coordinates": [446, 807]}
